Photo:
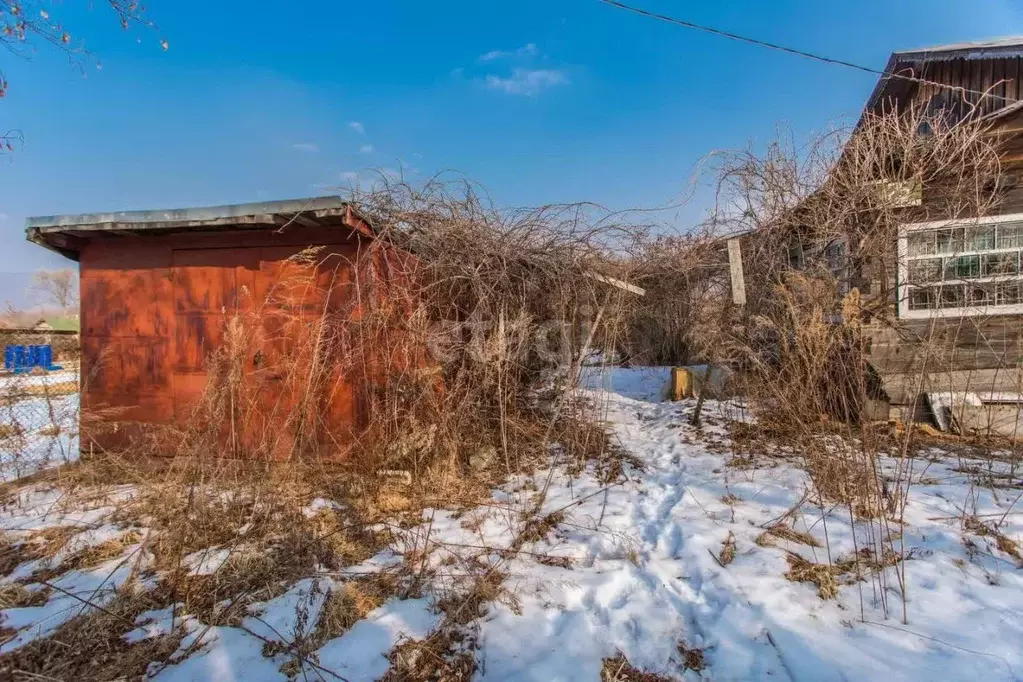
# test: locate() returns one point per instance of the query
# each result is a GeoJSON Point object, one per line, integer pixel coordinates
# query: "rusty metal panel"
{"type": "Point", "coordinates": [292, 301]}
{"type": "Point", "coordinates": [154, 310]}
{"type": "Point", "coordinates": [126, 324]}
{"type": "Point", "coordinates": [206, 294]}
{"type": "Point", "coordinates": [125, 291]}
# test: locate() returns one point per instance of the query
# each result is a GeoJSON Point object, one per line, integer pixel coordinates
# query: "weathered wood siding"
{"type": "Point", "coordinates": [998, 77]}
{"type": "Point", "coordinates": [978, 353]}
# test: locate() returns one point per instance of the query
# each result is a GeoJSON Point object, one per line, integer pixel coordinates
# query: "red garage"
{"type": "Point", "coordinates": [159, 291]}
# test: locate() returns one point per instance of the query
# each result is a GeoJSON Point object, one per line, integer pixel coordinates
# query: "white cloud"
{"type": "Point", "coordinates": [310, 147]}
{"type": "Point", "coordinates": [350, 176]}
{"type": "Point", "coordinates": [518, 72]}
{"type": "Point", "coordinates": [526, 82]}
{"type": "Point", "coordinates": [366, 149]}
{"type": "Point", "coordinates": [527, 50]}
{"type": "Point", "coordinates": [357, 127]}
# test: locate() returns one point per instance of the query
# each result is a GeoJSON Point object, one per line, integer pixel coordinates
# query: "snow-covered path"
{"type": "Point", "coordinates": [645, 576]}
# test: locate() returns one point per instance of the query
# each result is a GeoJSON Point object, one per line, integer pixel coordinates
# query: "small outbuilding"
{"type": "Point", "coordinates": [159, 288]}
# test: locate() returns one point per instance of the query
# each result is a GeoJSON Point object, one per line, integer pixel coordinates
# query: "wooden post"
{"type": "Point", "coordinates": [681, 383]}
{"type": "Point", "coordinates": [704, 387]}
{"type": "Point", "coordinates": [735, 270]}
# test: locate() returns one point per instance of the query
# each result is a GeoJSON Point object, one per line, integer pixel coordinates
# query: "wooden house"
{"type": "Point", "coordinates": [957, 290]}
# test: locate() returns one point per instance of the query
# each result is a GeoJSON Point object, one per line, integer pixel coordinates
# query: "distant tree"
{"type": "Point", "coordinates": [57, 287]}
{"type": "Point", "coordinates": [25, 24]}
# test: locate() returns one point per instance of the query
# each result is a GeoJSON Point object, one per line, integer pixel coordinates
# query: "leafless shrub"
{"type": "Point", "coordinates": [819, 226]}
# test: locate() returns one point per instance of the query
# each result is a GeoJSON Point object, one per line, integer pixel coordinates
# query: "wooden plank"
{"type": "Point", "coordinates": [956, 73]}
{"type": "Point", "coordinates": [1013, 74]}
{"type": "Point", "coordinates": [998, 67]}
{"type": "Point", "coordinates": [617, 283]}
{"type": "Point", "coordinates": [735, 271]}
{"type": "Point", "coordinates": [681, 383]}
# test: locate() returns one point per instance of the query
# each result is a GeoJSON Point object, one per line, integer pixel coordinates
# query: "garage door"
{"type": "Point", "coordinates": [284, 405]}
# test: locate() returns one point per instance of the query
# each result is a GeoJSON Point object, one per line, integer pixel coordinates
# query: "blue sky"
{"type": "Point", "coordinates": [539, 101]}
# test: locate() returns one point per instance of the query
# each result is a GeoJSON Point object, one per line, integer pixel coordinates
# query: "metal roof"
{"type": "Point", "coordinates": [203, 214]}
{"type": "Point", "coordinates": [66, 233]}
{"type": "Point", "coordinates": [981, 49]}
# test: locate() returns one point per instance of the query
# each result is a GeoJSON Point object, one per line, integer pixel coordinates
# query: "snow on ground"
{"type": "Point", "coordinates": [48, 435]}
{"type": "Point", "coordinates": [360, 653]}
{"type": "Point", "coordinates": [633, 567]}
{"type": "Point", "coordinates": [644, 574]}
{"type": "Point", "coordinates": [73, 594]}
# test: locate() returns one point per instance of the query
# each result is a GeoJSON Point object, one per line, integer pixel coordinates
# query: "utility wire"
{"type": "Point", "coordinates": [791, 50]}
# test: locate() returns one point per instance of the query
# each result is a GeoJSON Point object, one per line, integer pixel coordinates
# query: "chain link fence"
{"type": "Point", "coordinates": [39, 400]}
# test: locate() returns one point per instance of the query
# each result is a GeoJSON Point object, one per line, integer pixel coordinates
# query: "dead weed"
{"type": "Point", "coordinates": [618, 669]}
{"type": "Point", "coordinates": [92, 646]}
{"type": "Point", "coordinates": [446, 658]}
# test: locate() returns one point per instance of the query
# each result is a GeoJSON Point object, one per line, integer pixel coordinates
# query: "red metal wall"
{"type": "Point", "coordinates": [155, 307]}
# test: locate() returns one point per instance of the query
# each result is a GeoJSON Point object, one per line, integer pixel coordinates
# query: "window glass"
{"type": "Point", "coordinates": [1007, 293]}
{"type": "Point", "coordinates": [951, 296]}
{"type": "Point", "coordinates": [981, 265]}
{"type": "Point", "coordinates": [980, 239]}
{"type": "Point", "coordinates": [1008, 236]}
{"type": "Point", "coordinates": [1005, 263]}
{"type": "Point", "coordinates": [979, 295]}
{"type": "Point", "coordinates": [962, 267]}
{"type": "Point", "coordinates": [924, 270]}
{"type": "Point", "coordinates": [921, 243]}
{"type": "Point", "coordinates": [921, 299]}
{"type": "Point", "coordinates": [950, 240]}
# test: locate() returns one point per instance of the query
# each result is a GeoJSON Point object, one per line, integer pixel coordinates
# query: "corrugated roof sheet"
{"type": "Point", "coordinates": [981, 49]}
{"type": "Point", "coordinates": [189, 215]}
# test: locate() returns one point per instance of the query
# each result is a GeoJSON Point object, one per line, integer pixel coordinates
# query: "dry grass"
{"type": "Point", "coordinates": [537, 529]}
{"type": "Point", "coordinates": [820, 268]}
{"type": "Point", "coordinates": [844, 571]}
{"type": "Point", "coordinates": [821, 575]}
{"type": "Point", "coordinates": [17, 393]}
{"type": "Point", "coordinates": [92, 646]}
{"type": "Point", "coordinates": [692, 658]}
{"type": "Point", "coordinates": [10, 430]}
{"type": "Point", "coordinates": [51, 430]}
{"type": "Point", "coordinates": [727, 553]}
{"type": "Point", "coordinates": [15, 596]}
{"type": "Point", "coordinates": [1004, 543]}
{"type": "Point", "coordinates": [302, 490]}
{"type": "Point", "coordinates": [347, 606]}
{"type": "Point", "coordinates": [51, 540]}
{"type": "Point", "coordinates": [618, 669]}
{"type": "Point", "coordinates": [442, 659]}
{"type": "Point", "coordinates": [786, 532]}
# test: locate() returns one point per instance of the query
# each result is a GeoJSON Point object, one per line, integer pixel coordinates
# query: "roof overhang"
{"type": "Point", "coordinates": [68, 234]}
{"type": "Point", "coordinates": [998, 48]}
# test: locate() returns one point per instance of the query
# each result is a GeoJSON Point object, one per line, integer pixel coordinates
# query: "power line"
{"type": "Point", "coordinates": [791, 50]}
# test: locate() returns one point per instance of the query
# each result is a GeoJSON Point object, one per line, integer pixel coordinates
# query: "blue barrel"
{"type": "Point", "coordinates": [46, 356]}
{"type": "Point", "coordinates": [9, 358]}
{"type": "Point", "coordinates": [20, 358]}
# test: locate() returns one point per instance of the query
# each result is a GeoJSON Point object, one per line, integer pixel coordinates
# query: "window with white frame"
{"type": "Point", "coordinates": [949, 269]}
